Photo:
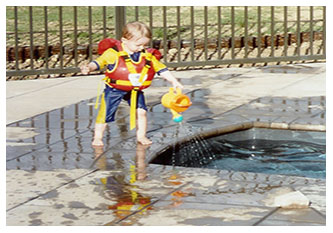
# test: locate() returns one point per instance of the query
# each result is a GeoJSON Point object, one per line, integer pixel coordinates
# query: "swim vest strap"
{"type": "Point", "coordinates": [134, 92]}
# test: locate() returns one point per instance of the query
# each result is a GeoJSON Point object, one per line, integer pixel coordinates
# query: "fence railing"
{"type": "Point", "coordinates": [56, 40]}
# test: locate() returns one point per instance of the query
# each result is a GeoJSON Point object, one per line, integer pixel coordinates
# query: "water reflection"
{"type": "Point", "coordinates": [140, 161]}
{"type": "Point", "coordinates": [59, 133]}
{"type": "Point", "coordinates": [102, 161]}
{"type": "Point", "coordinates": [121, 187]}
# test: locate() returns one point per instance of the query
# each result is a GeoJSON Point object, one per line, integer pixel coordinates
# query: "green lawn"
{"type": "Point", "coordinates": [143, 14]}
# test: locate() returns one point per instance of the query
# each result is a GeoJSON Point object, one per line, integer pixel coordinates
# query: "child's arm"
{"type": "Point", "coordinates": [170, 78]}
{"type": "Point", "coordinates": [86, 69]}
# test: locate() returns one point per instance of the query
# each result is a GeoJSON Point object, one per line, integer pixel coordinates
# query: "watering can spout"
{"type": "Point", "coordinates": [176, 102]}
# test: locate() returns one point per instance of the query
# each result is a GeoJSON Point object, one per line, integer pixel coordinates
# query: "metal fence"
{"type": "Point", "coordinates": [56, 40]}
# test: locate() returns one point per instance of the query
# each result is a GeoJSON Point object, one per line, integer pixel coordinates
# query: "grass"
{"type": "Point", "coordinates": [143, 13]}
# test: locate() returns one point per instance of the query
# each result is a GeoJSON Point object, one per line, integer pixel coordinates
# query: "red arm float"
{"type": "Point", "coordinates": [155, 52]}
{"type": "Point", "coordinates": [107, 43]}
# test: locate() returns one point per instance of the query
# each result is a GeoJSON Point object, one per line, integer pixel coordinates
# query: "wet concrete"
{"type": "Point", "coordinates": [55, 177]}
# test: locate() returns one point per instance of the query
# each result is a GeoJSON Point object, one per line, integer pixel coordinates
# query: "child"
{"type": "Point", "coordinates": [129, 70]}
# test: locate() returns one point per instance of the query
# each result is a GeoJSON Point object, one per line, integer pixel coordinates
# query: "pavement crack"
{"type": "Point", "coordinates": [266, 216]}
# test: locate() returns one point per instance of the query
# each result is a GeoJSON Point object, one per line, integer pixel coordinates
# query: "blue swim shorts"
{"type": "Point", "coordinates": [110, 101]}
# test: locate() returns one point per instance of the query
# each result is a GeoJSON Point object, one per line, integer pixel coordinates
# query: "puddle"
{"type": "Point", "coordinates": [194, 80]}
{"type": "Point", "coordinates": [296, 69]}
{"type": "Point", "coordinates": [225, 76]}
{"type": "Point", "coordinates": [122, 188]}
{"type": "Point", "coordinates": [19, 133]}
{"type": "Point", "coordinates": [61, 139]}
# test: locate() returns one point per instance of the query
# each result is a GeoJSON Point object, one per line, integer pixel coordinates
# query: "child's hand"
{"type": "Point", "coordinates": [85, 69]}
{"type": "Point", "coordinates": [177, 84]}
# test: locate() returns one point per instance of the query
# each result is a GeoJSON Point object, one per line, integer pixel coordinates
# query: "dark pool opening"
{"type": "Point", "coordinates": [272, 151]}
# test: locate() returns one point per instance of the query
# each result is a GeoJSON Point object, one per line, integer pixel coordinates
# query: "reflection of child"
{"type": "Point", "coordinates": [140, 161]}
{"type": "Point", "coordinates": [126, 76]}
{"type": "Point", "coordinates": [138, 171]}
{"type": "Point", "coordinates": [125, 193]}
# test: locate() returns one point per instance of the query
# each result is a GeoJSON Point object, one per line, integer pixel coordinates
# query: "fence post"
{"type": "Point", "coordinates": [120, 20]}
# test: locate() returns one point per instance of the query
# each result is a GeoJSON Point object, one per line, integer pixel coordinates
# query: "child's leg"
{"type": "Point", "coordinates": [142, 127]}
{"type": "Point", "coordinates": [109, 104]}
{"type": "Point", "coordinates": [98, 136]}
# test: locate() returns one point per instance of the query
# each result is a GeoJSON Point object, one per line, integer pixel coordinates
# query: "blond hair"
{"type": "Point", "coordinates": [136, 29]}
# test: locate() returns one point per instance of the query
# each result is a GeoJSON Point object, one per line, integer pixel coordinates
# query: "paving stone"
{"type": "Point", "coordinates": [22, 186]}
{"type": "Point", "coordinates": [298, 215]}
{"type": "Point", "coordinates": [221, 215]}
{"type": "Point", "coordinates": [317, 195]}
{"type": "Point", "coordinates": [58, 216]}
{"type": "Point", "coordinates": [287, 223]}
{"type": "Point", "coordinates": [71, 195]}
{"type": "Point", "coordinates": [51, 161]}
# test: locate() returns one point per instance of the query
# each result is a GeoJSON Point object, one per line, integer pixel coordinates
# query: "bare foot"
{"type": "Point", "coordinates": [97, 142]}
{"type": "Point", "coordinates": [144, 141]}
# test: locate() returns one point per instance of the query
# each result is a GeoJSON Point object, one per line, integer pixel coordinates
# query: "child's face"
{"type": "Point", "coordinates": [135, 44]}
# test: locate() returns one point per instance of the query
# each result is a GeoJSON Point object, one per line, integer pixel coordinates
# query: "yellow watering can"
{"type": "Point", "coordinates": [176, 102]}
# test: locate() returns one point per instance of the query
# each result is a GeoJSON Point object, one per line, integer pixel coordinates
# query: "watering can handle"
{"type": "Point", "coordinates": [178, 90]}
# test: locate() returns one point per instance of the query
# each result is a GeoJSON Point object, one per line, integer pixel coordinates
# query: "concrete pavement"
{"type": "Point", "coordinates": [54, 177]}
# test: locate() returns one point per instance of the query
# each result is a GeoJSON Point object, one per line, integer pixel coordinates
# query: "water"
{"type": "Point", "coordinates": [194, 151]}
{"type": "Point", "coordinates": [271, 156]}
{"type": "Point", "coordinates": [297, 153]}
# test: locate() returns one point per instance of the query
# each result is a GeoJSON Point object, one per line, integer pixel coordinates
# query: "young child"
{"type": "Point", "coordinates": [129, 70]}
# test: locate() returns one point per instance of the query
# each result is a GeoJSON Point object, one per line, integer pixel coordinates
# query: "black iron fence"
{"type": "Point", "coordinates": [56, 40]}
